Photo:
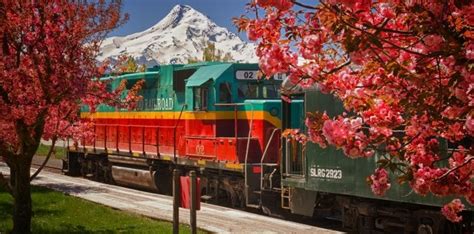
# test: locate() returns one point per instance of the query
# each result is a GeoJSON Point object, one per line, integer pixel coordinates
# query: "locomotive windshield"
{"type": "Point", "coordinates": [250, 86]}
{"type": "Point", "coordinates": [259, 90]}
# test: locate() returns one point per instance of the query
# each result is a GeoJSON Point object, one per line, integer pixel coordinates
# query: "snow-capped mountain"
{"type": "Point", "coordinates": [181, 35]}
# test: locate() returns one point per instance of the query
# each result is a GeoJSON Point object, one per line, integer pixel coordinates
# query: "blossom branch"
{"type": "Point", "coordinates": [337, 10]}
{"type": "Point", "coordinates": [468, 160]}
{"type": "Point", "coordinates": [304, 5]}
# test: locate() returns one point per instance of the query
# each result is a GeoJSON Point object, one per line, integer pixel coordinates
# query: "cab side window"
{"type": "Point", "coordinates": [248, 91]}
{"type": "Point", "coordinates": [225, 93]}
{"type": "Point", "coordinates": [200, 95]}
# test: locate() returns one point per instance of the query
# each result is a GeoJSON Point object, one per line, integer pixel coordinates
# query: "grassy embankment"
{"type": "Point", "coordinates": [59, 151]}
{"type": "Point", "coordinates": [55, 212]}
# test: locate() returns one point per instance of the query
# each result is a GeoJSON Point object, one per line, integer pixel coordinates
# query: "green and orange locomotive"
{"type": "Point", "coordinates": [216, 117]}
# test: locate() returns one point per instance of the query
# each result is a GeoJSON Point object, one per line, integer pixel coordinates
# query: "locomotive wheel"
{"type": "Point", "coordinates": [424, 229]}
{"type": "Point", "coordinates": [234, 193]}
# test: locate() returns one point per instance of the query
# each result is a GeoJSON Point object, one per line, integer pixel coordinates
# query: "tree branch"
{"type": "Point", "coordinates": [468, 160]}
{"type": "Point", "coordinates": [51, 150]}
{"type": "Point", "coordinates": [4, 95]}
{"type": "Point", "coordinates": [304, 5]}
{"type": "Point", "coordinates": [4, 152]}
{"type": "Point", "coordinates": [373, 35]}
{"type": "Point", "coordinates": [338, 67]}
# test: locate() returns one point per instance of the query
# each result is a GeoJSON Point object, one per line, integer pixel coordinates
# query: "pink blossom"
{"type": "Point", "coordinates": [379, 182]}
{"type": "Point", "coordinates": [280, 4]}
{"type": "Point", "coordinates": [454, 132]}
{"type": "Point", "coordinates": [423, 180]}
{"type": "Point", "coordinates": [276, 59]}
{"type": "Point", "coordinates": [383, 113]}
{"type": "Point", "coordinates": [433, 42]}
{"type": "Point", "coordinates": [408, 83]}
{"type": "Point", "coordinates": [386, 10]}
{"type": "Point", "coordinates": [313, 122]}
{"type": "Point", "coordinates": [338, 132]}
{"type": "Point", "coordinates": [310, 46]}
{"type": "Point", "coordinates": [453, 112]}
{"type": "Point", "coordinates": [451, 210]}
{"type": "Point", "coordinates": [469, 125]}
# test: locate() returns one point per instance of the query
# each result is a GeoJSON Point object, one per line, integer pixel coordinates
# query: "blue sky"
{"type": "Point", "coordinates": [146, 13]}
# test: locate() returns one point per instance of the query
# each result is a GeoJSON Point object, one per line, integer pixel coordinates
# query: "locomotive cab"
{"type": "Point", "coordinates": [237, 113]}
{"type": "Point", "coordinates": [236, 123]}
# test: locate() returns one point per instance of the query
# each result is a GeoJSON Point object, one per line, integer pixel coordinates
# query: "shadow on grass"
{"type": "Point", "coordinates": [6, 209]}
{"type": "Point", "coordinates": [46, 212]}
{"type": "Point", "coordinates": [71, 189]}
{"type": "Point", "coordinates": [71, 228]}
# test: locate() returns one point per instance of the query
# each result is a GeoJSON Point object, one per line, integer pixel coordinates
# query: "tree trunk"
{"type": "Point", "coordinates": [22, 195]}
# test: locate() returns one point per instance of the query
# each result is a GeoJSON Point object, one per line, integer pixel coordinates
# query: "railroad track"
{"type": "Point", "coordinates": [48, 168]}
{"type": "Point", "coordinates": [54, 165]}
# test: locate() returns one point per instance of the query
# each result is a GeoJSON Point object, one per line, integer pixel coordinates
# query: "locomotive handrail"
{"type": "Point", "coordinates": [216, 138]}
{"type": "Point", "coordinates": [264, 155]}
{"type": "Point", "coordinates": [289, 171]}
{"type": "Point", "coordinates": [174, 132]}
{"type": "Point", "coordinates": [204, 138]}
{"type": "Point", "coordinates": [246, 158]}
{"type": "Point", "coordinates": [231, 104]}
{"type": "Point", "coordinates": [248, 141]}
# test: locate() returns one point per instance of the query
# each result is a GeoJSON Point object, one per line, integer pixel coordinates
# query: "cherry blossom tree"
{"type": "Point", "coordinates": [405, 69]}
{"type": "Point", "coordinates": [47, 71]}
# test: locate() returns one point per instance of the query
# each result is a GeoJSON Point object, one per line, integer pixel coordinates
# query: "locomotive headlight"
{"type": "Point", "coordinates": [274, 111]}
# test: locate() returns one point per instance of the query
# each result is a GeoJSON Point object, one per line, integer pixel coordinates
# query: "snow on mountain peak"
{"type": "Point", "coordinates": [180, 35]}
{"type": "Point", "coordinates": [176, 15]}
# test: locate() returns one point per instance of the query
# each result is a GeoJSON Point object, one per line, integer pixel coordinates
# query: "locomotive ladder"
{"type": "Point", "coordinates": [285, 197]}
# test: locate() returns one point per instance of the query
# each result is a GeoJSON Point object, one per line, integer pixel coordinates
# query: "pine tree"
{"type": "Point", "coordinates": [212, 54]}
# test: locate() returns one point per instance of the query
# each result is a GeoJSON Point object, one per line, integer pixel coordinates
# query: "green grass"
{"type": "Point", "coordinates": [43, 150]}
{"type": "Point", "coordinates": [54, 212]}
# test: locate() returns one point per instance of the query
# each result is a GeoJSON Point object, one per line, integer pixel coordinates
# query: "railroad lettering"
{"type": "Point", "coordinates": [246, 75]}
{"type": "Point", "coordinates": [325, 173]}
{"type": "Point", "coordinates": [279, 76]}
{"type": "Point", "coordinates": [164, 104]}
{"type": "Point", "coordinates": [252, 75]}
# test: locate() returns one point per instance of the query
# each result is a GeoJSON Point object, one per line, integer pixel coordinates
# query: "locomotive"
{"type": "Point", "coordinates": [222, 121]}
{"type": "Point", "coordinates": [325, 182]}
{"type": "Point", "coordinates": [216, 118]}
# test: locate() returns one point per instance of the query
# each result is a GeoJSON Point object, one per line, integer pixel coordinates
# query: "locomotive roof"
{"type": "Point", "coordinates": [206, 73]}
{"type": "Point", "coordinates": [132, 76]}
